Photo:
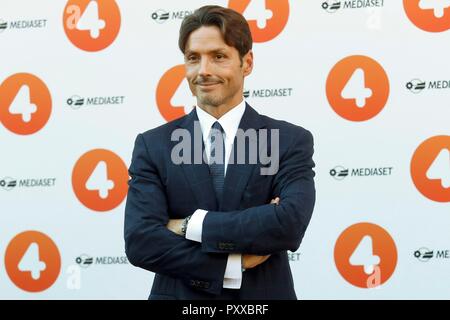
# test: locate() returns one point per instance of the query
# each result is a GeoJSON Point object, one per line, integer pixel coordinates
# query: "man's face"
{"type": "Point", "coordinates": [214, 70]}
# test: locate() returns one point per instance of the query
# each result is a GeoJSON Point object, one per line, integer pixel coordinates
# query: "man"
{"type": "Point", "coordinates": [219, 228]}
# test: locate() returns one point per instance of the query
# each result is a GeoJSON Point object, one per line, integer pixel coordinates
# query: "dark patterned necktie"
{"type": "Point", "coordinates": [217, 159]}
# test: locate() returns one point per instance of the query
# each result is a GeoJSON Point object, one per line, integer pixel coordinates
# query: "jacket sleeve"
{"type": "Point", "coordinates": [149, 244]}
{"type": "Point", "coordinates": [270, 228]}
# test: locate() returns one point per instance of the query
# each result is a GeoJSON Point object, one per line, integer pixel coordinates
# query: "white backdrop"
{"type": "Point", "coordinates": [80, 79]}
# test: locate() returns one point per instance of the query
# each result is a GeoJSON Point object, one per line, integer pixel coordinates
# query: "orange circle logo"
{"type": "Point", "coordinates": [430, 168]}
{"type": "Point", "coordinates": [357, 88]}
{"type": "Point", "coordinates": [428, 15]}
{"type": "Point", "coordinates": [91, 25]}
{"type": "Point", "coordinates": [266, 18]}
{"type": "Point", "coordinates": [99, 180]}
{"type": "Point", "coordinates": [32, 261]}
{"type": "Point", "coordinates": [365, 255]}
{"type": "Point", "coordinates": [173, 94]}
{"type": "Point", "coordinates": [25, 103]}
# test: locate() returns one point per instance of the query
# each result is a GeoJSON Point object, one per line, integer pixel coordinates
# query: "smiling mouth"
{"type": "Point", "coordinates": [208, 84]}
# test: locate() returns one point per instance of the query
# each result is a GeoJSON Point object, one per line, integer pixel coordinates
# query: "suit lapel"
{"type": "Point", "coordinates": [237, 174]}
{"type": "Point", "coordinates": [197, 174]}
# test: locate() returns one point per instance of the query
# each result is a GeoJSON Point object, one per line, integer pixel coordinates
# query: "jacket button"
{"type": "Point", "coordinates": [194, 283]}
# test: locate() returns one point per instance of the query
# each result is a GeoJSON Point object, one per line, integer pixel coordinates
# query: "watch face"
{"type": "Point", "coordinates": [184, 225]}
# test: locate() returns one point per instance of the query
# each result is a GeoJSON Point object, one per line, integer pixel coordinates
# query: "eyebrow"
{"type": "Point", "coordinates": [219, 50]}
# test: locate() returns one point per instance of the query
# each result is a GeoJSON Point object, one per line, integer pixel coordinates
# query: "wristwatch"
{"type": "Point", "coordinates": [184, 225]}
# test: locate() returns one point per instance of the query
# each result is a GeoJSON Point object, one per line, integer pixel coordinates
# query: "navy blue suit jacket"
{"type": "Point", "coordinates": [244, 221]}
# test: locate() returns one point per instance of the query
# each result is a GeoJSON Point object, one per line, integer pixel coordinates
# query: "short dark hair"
{"type": "Point", "coordinates": [233, 26]}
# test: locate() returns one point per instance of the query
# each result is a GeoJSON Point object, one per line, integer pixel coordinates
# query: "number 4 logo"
{"type": "Point", "coordinates": [357, 88]}
{"type": "Point", "coordinates": [91, 25]}
{"type": "Point", "coordinates": [99, 180]}
{"type": "Point", "coordinates": [32, 261]}
{"type": "Point", "coordinates": [266, 18]}
{"type": "Point", "coordinates": [429, 15]}
{"type": "Point", "coordinates": [173, 96]}
{"type": "Point", "coordinates": [430, 168]}
{"type": "Point", "coordinates": [25, 103]}
{"type": "Point", "coordinates": [365, 255]}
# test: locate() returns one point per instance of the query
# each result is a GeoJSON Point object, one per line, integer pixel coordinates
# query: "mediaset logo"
{"type": "Point", "coordinates": [424, 254]}
{"type": "Point", "coordinates": [340, 172]}
{"type": "Point", "coordinates": [294, 256]}
{"type": "Point", "coordinates": [3, 25]}
{"type": "Point", "coordinates": [417, 85]}
{"type": "Point", "coordinates": [76, 102]}
{"type": "Point", "coordinates": [268, 93]}
{"type": "Point", "coordinates": [22, 24]}
{"type": "Point", "coordinates": [161, 16]}
{"type": "Point", "coordinates": [332, 6]}
{"type": "Point", "coordinates": [85, 260]}
{"type": "Point", "coordinates": [8, 183]}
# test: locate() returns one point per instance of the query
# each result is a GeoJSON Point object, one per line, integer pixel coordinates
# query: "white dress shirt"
{"type": "Point", "coordinates": [230, 124]}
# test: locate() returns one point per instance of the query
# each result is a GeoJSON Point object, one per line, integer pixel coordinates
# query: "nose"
{"type": "Point", "coordinates": [204, 67]}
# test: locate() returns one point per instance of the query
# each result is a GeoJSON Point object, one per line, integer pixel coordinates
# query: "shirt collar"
{"type": "Point", "coordinates": [229, 121]}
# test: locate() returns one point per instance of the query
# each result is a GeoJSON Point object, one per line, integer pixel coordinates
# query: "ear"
{"type": "Point", "coordinates": [247, 63]}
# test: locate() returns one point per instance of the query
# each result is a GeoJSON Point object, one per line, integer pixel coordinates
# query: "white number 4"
{"type": "Point", "coordinates": [437, 6]}
{"type": "Point", "coordinates": [30, 261]}
{"type": "Point", "coordinates": [363, 256]}
{"type": "Point", "coordinates": [256, 10]}
{"type": "Point", "coordinates": [98, 180]}
{"type": "Point", "coordinates": [356, 89]}
{"type": "Point", "coordinates": [22, 104]}
{"type": "Point", "coordinates": [440, 168]}
{"type": "Point", "coordinates": [89, 20]}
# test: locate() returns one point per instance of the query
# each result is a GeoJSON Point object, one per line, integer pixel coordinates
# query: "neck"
{"type": "Point", "coordinates": [218, 111]}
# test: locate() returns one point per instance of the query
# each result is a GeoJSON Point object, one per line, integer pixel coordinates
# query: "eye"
{"type": "Point", "coordinates": [220, 56]}
{"type": "Point", "coordinates": [192, 58]}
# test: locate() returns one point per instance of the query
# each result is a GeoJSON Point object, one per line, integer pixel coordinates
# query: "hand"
{"type": "Point", "coordinates": [174, 225]}
{"type": "Point", "coordinates": [250, 260]}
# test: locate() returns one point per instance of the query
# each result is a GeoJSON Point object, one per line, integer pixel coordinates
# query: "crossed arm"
{"type": "Point", "coordinates": [249, 261]}
{"type": "Point", "coordinates": [258, 231]}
